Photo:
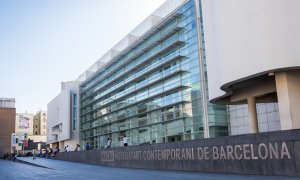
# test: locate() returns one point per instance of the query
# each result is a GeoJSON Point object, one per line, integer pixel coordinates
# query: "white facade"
{"type": "Point", "coordinates": [253, 58]}
{"type": "Point", "coordinates": [59, 120]}
{"type": "Point", "coordinates": [244, 38]}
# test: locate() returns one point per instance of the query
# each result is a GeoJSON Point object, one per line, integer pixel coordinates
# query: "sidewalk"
{"type": "Point", "coordinates": [71, 170]}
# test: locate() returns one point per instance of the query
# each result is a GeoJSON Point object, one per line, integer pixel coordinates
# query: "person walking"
{"type": "Point", "coordinates": [33, 153]}
{"type": "Point", "coordinates": [125, 140]}
{"type": "Point", "coordinates": [56, 151]}
{"type": "Point", "coordinates": [13, 156]}
{"type": "Point", "coordinates": [77, 147]}
{"type": "Point", "coordinates": [108, 143]}
{"type": "Point", "coordinates": [87, 146]}
{"type": "Point", "coordinates": [67, 148]}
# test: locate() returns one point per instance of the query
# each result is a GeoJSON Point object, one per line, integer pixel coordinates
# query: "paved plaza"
{"type": "Point", "coordinates": [54, 169]}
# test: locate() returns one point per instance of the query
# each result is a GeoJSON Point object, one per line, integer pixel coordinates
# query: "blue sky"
{"type": "Point", "coordinates": [45, 42]}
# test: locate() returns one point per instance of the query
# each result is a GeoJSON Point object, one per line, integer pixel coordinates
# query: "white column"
{"type": "Point", "coordinates": [202, 71]}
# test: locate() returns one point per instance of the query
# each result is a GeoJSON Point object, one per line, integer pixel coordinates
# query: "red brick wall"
{"type": "Point", "coordinates": [7, 126]}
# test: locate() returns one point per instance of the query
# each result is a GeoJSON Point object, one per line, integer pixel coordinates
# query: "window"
{"type": "Point", "coordinates": [141, 82]}
{"type": "Point", "coordinates": [142, 108]}
{"type": "Point", "coordinates": [142, 120]}
{"type": "Point", "coordinates": [142, 95]}
{"type": "Point", "coordinates": [74, 110]}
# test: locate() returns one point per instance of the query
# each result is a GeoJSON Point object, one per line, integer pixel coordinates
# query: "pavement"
{"type": "Point", "coordinates": [41, 168]}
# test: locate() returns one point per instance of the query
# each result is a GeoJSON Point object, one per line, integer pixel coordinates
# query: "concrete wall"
{"type": "Point", "coordinates": [270, 153]}
{"type": "Point", "coordinates": [7, 127]}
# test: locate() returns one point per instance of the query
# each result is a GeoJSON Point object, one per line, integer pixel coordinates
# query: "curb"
{"type": "Point", "coordinates": [32, 164]}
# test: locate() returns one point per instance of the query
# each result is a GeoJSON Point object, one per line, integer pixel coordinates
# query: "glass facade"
{"type": "Point", "coordinates": [151, 92]}
{"type": "Point", "coordinates": [74, 110]}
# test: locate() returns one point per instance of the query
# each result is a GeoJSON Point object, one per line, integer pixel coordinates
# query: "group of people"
{"type": "Point", "coordinates": [49, 152]}
{"type": "Point", "coordinates": [124, 140]}
{"type": "Point", "coordinates": [109, 142]}
{"type": "Point", "coordinates": [8, 156]}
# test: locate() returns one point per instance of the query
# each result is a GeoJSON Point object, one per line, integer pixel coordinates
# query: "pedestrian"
{"type": "Point", "coordinates": [87, 146]}
{"type": "Point", "coordinates": [77, 147]}
{"type": "Point", "coordinates": [6, 156]}
{"type": "Point", "coordinates": [13, 156]}
{"type": "Point", "coordinates": [33, 153]}
{"type": "Point", "coordinates": [46, 152]}
{"type": "Point", "coordinates": [125, 140]}
{"type": "Point", "coordinates": [55, 151]}
{"type": "Point", "coordinates": [67, 148]}
{"type": "Point", "coordinates": [50, 152]}
{"type": "Point", "coordinates": [108, 143]}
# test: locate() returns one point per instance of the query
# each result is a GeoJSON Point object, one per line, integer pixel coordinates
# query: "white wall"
{"type": "Point", "coordinates": [247, 37]}
{"type": "Point", "coordinates": [59, 111]}
{"type": "Point", "coordinates": [38, 138]}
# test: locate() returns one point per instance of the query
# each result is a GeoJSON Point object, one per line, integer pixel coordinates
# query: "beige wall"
{"type": "Point", "coordinates": [288, 92]}
{"type": "Point", "coordinates": [44, 123]}
{"type": "Point", "coordinates": [40, 123]}
{"type": "Point", "coordinates": [36, 125]}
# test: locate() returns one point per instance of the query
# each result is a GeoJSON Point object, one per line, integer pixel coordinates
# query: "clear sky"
{"type": "Point", "coordinates": [45, 42]}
